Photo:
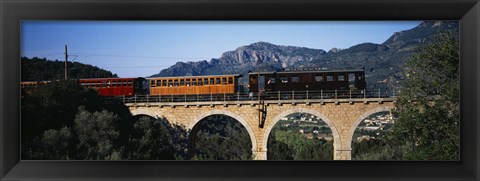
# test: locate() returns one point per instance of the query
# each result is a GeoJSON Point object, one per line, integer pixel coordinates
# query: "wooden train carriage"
{"type": "Point", "coordinates": [115, 86]}
{"type": "Point", "coordinates": [193, 85]}
{"type": "Point", "coordinates": [27, 87]}
{"type": "Point", "coordinates": [312, 80]}
{"type": "Point", "coordinates": [32, 84]}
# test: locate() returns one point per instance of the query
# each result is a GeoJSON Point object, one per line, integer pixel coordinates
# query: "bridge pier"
{"type": "Point", "coordinates": [342, 154]}
{"type": "Point", "coordinates": [259, 155]}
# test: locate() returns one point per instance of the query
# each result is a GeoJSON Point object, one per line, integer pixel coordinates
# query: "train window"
{"type": "Point", "coordinates": [295, 78]}
{"type": "Point", "coordinates": [104, 84]}
{"type": "Point", "coordinates": [230, 80]}
{"type": "Point", "coordinates": [359, 77]}
{"type": "Point", "coordinates": [319, 78]}
{"type": "Point", "coordinates": [212, 81]}
{"type": "Point", "coordinates": [224, 80]}
{"type": "Point", "coordinates": [217, 82]}
{"type": "Point", "coordinates": [351, 77]}
{"type": "Point", "coordinates": [188, 82]}
{"type": "Point", "coordinates": [283, 78]}
{"type": "Point", "coordinates": [182, 82]}
{"type": "Point", "coordinates": [152, 83]}
{"type": "Point", "coordinates": [164, 82]}
{"type": "Point", "coordinates": [194, 82]}
{"type": "Point", "coordinates": [175, 83]}
{"type": "Point", "coordinates": [341, 77]}
{"type": "Point", "coordinates": [329, 77]}
{"type": "Point", "coordinates": [200, 81]}
{"type": "Point", "coordinates": [170, 83]}
{"type": "Point", "coordinates": [130, 83]}
{"type": "Point", "coordinates": [205, 81]}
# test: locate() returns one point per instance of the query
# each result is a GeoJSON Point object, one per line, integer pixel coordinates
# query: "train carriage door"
{"type": "Point", "coordinates": [271, 83]}
{"type": "Point", "coordinates": [218, 85]}
{"type": "Point", "coordinates": [193, 89]}
{"type": "Point", "coordinates": [262, 81]}
{"type": "Point", "coordinates": [351, 81]}
{"type": "Point", "coordinates": [360, 81]}
{"type": "Point", "coordinates": [252, 87]}
{"type": "Point", "coordinates": [231, 86]}
{"type": "Point", "coordinates": [224, 85]}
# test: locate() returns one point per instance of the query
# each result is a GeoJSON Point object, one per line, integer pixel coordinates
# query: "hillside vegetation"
{"type": "Point", "coordinates": [41, 69]}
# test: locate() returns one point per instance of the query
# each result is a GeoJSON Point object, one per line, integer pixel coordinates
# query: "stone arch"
{"type": "Point", "coordinates": [242, 121]}
{"type": "Point", "coordinates": [361, 118]}
{"type": "Point", "coordinates": [146, 112]}
{"type": "Point", "coordinates": [139, 115]}
{"type": "Point", "coordinates": [269, 127]}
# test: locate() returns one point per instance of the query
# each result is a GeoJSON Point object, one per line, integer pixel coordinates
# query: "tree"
{"type": "Point", "coordinates": [52, 107]}
{"type": "Point", "coordinates": [428, 104]}
{"type": "Point", "coordinates": [150, 140]}
{"type": "Point", "coordinates": [52, 145]}
{"type": "Point", "coordinates": [221, 137]}
{"type": "Point", "coordinates": [96, 134]}
{"type": "Point", "coordinates": [41, 69]}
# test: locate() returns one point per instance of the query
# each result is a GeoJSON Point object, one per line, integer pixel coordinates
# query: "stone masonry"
{"type": "Point", "coordinates": [342, 116]}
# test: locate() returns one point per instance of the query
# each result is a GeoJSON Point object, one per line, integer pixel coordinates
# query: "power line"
{"type": "Point", "coordinates": [135, 56]}
{"type": "Point", "coordinates": [135, 67]}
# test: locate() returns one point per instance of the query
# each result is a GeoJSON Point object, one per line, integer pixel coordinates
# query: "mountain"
{"type": "Point", "coordinates": [245, 58]}
{"type": "Point", "coordinates": [41, 69]}
{"type": "Point", "coordinates": [382, 62]}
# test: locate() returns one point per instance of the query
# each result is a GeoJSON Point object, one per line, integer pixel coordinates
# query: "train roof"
{"type": "Point", "coordinates": [300, 71]}
{"type": "Point", "coordinates": [197, 76]}
{"type": "Point", "coordinates": [128, 78]}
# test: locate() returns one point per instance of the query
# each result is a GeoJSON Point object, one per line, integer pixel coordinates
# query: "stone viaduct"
{"type": "Point", "coordinates": [341, 115]}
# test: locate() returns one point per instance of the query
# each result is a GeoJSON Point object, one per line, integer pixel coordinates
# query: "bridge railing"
{"type": "Point", "coordinates": [278, 95]}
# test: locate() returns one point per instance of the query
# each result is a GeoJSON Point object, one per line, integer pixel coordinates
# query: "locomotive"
{"type": "Point", "coordinates": [286, 80]}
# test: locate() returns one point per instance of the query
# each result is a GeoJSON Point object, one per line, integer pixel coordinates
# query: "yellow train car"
{"type": "Point", "coordinates": [27, 87]}
{"type": "Point", "coordinates": [194, 85]}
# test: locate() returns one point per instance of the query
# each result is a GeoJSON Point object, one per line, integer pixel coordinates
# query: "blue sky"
{"type": "Point", "coordinates": [143, 48]}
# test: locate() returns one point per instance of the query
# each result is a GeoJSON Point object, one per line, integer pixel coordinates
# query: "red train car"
{"type": "Point", "coordinates": [115, 86]}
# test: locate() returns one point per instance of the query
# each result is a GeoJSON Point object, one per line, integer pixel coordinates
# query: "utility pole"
{"type": "Point", "coordinates": [66, 59]}
{"type": "Point", "coordinates": [258, 92]}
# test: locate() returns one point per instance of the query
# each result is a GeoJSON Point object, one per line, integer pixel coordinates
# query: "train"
{"type": "Point", "coordinates": [274, 81]}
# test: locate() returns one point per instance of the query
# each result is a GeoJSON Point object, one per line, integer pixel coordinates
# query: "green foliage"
{"type": "Point", "coordinates": [53, 106]}
{"type": "Point", "coordinates": [290, 145]}
{"type": "Point", "coordinates": [366, 150]}
{"type": "Point", "coordinates": [96, 134]}
{"type": "Point", "coordinates": [221, 138]}
{"type": "Point", "coordinates": [48, 122]}
{"type": "Point", "coordinates": [428, 104]}
{"type": "Point", "coordinates": [52, 144]}
{"type": "Point", "coordinates": [38, 69]}
{"type": "Point", "coordinates": [150, 140]}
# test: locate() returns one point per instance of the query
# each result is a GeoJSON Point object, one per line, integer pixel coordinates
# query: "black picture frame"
{"type": "Point", "coordinates": [14, 11]}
